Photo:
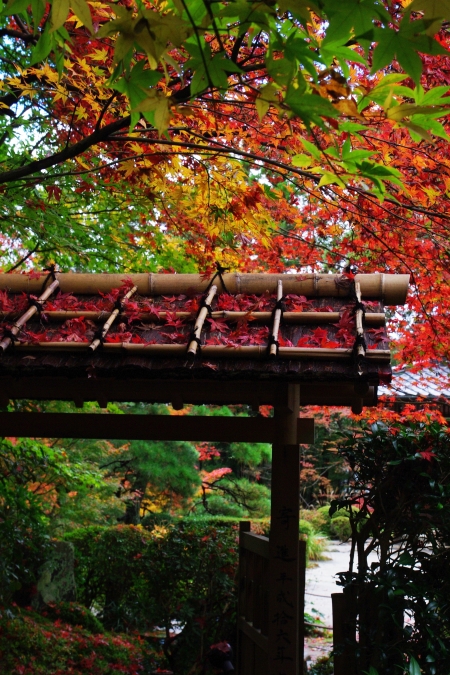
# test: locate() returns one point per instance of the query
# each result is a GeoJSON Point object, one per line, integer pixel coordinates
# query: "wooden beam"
{"type": "Point", "coordinates": [189, 391]}
{"type": "Point", "coordinates": [254, 634]}
{"type": "Point", "coordinates": [253, 352]}
{"type": "Point", "coordinates": [148, 427]}
{"type": "Point", "coordinates": [255, 543]}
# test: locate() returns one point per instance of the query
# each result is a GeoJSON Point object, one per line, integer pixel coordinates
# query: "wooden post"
{"type": "Point", "coordinates": [283, 545]}
{"type": "Point", "coordinates": [344, 632]}
{"type": "Point", "coordinates": [241, 645]}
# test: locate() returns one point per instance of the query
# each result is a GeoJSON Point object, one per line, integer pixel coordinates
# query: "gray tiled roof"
{"type": "Point", "coordinates": [429, 383]}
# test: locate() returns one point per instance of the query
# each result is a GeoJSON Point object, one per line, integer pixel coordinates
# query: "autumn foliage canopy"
{"type": "Point", "coordinates": [266, 136]}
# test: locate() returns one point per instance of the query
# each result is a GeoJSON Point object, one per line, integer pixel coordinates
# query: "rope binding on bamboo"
{"type": "Point", "coordinates": [51, 269]}
{"type": "Point", "coordinates": [36, 304]}
{"type": "Point", "coordinates": [100, 334]}
{"type": "Point", "coordinates": [220, 271]}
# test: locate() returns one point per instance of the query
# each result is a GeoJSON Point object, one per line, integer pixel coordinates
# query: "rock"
{"type": "Point", "coordinates": [57, 579]}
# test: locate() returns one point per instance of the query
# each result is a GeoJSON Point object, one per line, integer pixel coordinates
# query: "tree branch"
{"type": "Point", "coordinates": [98, 136]}
{"type": "Point", "coordinates": [9, 32]}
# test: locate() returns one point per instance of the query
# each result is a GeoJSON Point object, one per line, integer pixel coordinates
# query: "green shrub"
{"type": "Point", "coordinates": [305, 528]}
{"type": "Point", "coordinates": [400, 475]}
{"type": "Point", "coordinates": [107, 562]}
{"type": "Point", "coordinates": [24, 536]}
{"type": "Point", "coordinates": [315, 544]}
{"type": "Point", "coordinates": [33, 645]}
{"type": "Point", "coordinates": [345, 512]}
{"type": "Point", "coordinates": [333, 526]}
{"type": "Point", "coordinates": [76, 615]}
{"type": "Point", "coordinates": [318, 520]}
{"type": "Point", "coordinates": [341, 528]}
{"type": "Point", "coordinates": [184, 572]}
{"type": "Point", "coordinates": [323, 666]}
{"type": "Point", "coordinates": [324, 513]}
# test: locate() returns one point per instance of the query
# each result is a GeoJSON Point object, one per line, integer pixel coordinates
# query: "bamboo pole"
{"type": "Point", "coordinates": [390, 288]}
{"type": "Point", "coordinates": [276, 321]}
{"type": "Point", "coordinates": [193, 345]}
{"type": "Point", "coordinates": [98, 341]}
{"type": "Point", "coordinates": [360, 349]}
{"type": "Point", "coordinates": [31, 311]}
{"type": "Point", "coordinates": [371, 319]}
{"type": "Point", "coordinates": [212, 351]}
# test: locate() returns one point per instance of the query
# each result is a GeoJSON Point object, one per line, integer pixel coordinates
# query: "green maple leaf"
{"type": "Point", "coordinates": [301, 9]}
{"type": "Point", "coordinates": [310, 108]}
{"type": "Point", "coordinates": [349, 16]}
{"type": "Point", "coordinates": [404, 45]}
{"type": "Point", "coordinates": [432, 9]}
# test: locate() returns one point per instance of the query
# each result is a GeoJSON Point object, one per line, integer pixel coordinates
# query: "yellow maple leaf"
{"type": "Point", "coordinates": [50, 74]}
{"type": "Point", "coordinates": [128, 167]}
{"type": "Point", "coordinates": [99, 55]}
{"type": "Point", "coordinates": [84, 65]}
{"type": "Point", "coordinates": [135, 147]}
{"type": "Point", "coordinates": [432, 194]}
{"type": "Point", "coordinates": [60, 96]}
{"type": "Point", "coordinates": [81, 113]}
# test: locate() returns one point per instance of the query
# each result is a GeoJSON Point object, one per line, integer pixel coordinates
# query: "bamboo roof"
{"type": "Point", "coordinates": [119, 335]}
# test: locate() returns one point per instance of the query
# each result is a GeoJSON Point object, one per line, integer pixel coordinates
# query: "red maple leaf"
{"type": "Point", "coordinates": [208, 364]}
{"type": "Point", "coordinates": [329, 344]}
{"type": "Point", "coordinates": [427, 454]}
{"type": "Point", "coordinates": [34, 274]}
{"type": "Point", "coordinates": [152, 309]}
{"type": "Point", "coordinates": [119, 337]}
{"type": "Point", "coordinates": [206, 451]}
{"type": "Point", "coordinates": [128, 284]}
{"type": "Point", "coordinates": [173, 320]}
{"type": "Point", "coordinates": [259, 337]}
{"type": "Point", "coordinates": [219, 326]}
{"type": "Point", "coordinates": [378, 334]}
{"type": "Point", "coordinates": [228, 303]}
{"type": "Point", "coordinates": [176, 338]}
{"type": "Point", "coordinates": [284, 342]}
{"type": "Point", "coordinates": [5, 302]}
{"type": "Point", "coordinates": [214, 340]}
{"type": "Point", "coordinates": [304, 342]}
{"type": "Point", "coordinates": [112, 296]}
{"type": "Point", "coordinates": [320, 334]}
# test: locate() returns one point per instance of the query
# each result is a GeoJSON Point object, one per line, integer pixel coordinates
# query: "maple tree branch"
{"type": "Point", "coordinates": [409, 207]}
{"type": "Point", "coordinates": [9, 32]}
{"type": "Point", "coordinates": [197, 36]}
{"type": "Point", "coordinates": [98, 136]}
{"type": "Point", "coordinates": [213, 22]}
{"type": "Point", "coordinates": [237, 46]}
{"type": "Point", "coordinates": [402, 260]}
{"type": "Point", "coordinates": [104, 109]}
{"type": "Point", "coordinates": [222, 149]}
{"type": "Point", "coordinates": [24, 258]}
{"type": "Point", "coordinates": [24, 27]}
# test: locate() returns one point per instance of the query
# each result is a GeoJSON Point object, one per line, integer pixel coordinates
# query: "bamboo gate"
{"type": "Point", "coordinates": [297, 340]}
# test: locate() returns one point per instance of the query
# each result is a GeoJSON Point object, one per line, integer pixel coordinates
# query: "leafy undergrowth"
{"type": "Point", "coordinates": [33, 645]}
